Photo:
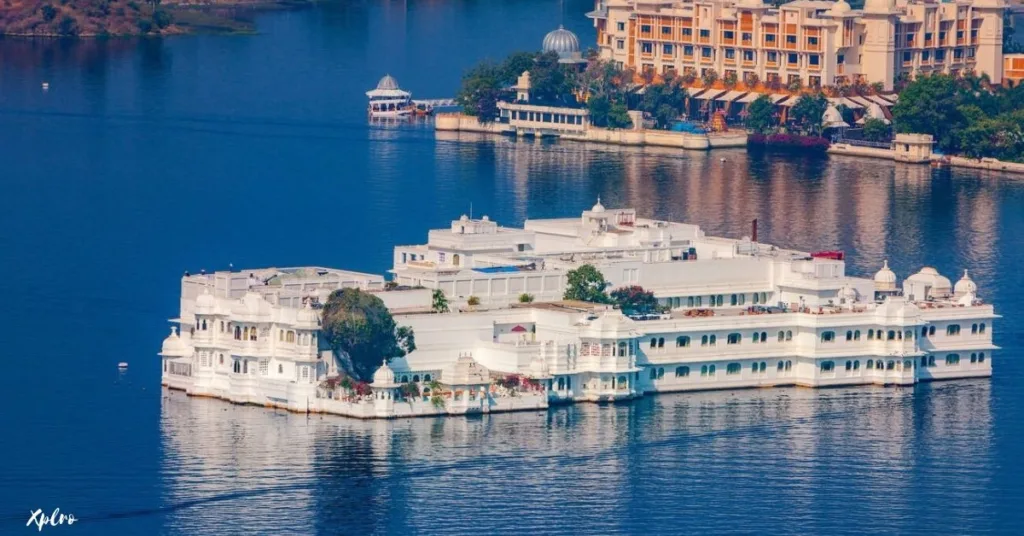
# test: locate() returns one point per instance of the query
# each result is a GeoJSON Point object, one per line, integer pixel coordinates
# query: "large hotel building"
{"type": "Point", "coordinates": [818, 42]}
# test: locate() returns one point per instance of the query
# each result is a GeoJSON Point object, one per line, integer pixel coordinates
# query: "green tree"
{"type": "Point", "coordinates": [618, 116]}
{"type": "Point", "coordinates": [875, 129]}
{"type": "Point", "coordinates": [162, 18]}
{"type": "Point", "coordinates": [362, 333]}
{"type": "Point", "coordinates": [480, 91]}
{"type": "Point", "coordinates": [930, 105]}
{"type": "Point", "coordinates": [67, 26]}
{"type": "Point", "coordinates": [439, 302]}
{"type": "Point", "coordinates": [634, 299]}
{"type": "Point", "coordinates": [808, 112]}
{"type": "Point", "coordinates": [586, 283]}
{"type": "Point", "coordinates": [664, 102]}
{"type": "Point", "coordinates": [598, 106]}
{"type": "Point", "coordinates": [761, 115]}
{"type": "Point", "coordinates": [49, 12]}
{"type": "Point", "coordinates": [548, 82]}
{"type": "Point", "coordinates": [515, 64]}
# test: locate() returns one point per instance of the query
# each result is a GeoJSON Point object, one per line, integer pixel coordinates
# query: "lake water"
{"type": "Point", "coordinates": [145, 159]}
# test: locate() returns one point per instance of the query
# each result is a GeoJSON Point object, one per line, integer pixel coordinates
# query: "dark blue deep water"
{"type": "Point", "coordinates": [148, 158]}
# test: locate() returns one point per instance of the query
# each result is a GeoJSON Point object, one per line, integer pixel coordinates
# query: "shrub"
{"type": "Point", "coordinates": [525, 298]}
{"type": "Point", "coordinates": [49, 12]}
{"type": "Point", "coordinates": [473, 301]}
{"type": "Point", "coordinates": [162, 18]}
{"type": "Point", "coordinates": [67, 26]}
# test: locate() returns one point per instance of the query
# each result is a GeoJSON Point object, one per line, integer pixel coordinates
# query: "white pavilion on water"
{"type": "Point", "coordinates": [388, 100]}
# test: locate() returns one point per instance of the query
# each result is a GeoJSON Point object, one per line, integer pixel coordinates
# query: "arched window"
{"type": "Point", "coordinates": [711, 301]}
{"type": "Point", "coordinates": [924, 361]}
{"type": "Point", "coordinates": [733, 368]}
{"type": "Point", "coordinates": [764, 336]}
{"type": "Point", "coordinates": [280, 369]}
{"type": "Point", "coordinates": [238, 333]}
{"type": "Point", "coordinates": [764, 366]}
{"type": "Point", "coordinates": [561, 384]}
{"type": "Point", "coordinates": [654, 374]}
{"type": "Point", "coordinates": [704, 370]}
{"type": "Point", "coordinates": [924, 331]}
{"type": "Point", "coordinates": [426, 377]}
{"type": "Point", "coordinates": [204, 325]}
{"type": "Point", "coordinates": [891, 335]}
{"type": "Point", "coordinates": [974, 358]}
{"type": "Point", "coordinates": [789, 335]}
{"type": "Point", "coordinates": [416, 377]}
{"type": "Point", "coordinates": [782, 336]}
{"type": "Point", "coordinates": [654, 343]}
{"type": "Point", "coordinates": [780, 366]}
{"type": "Point", "coordinates": [700, 301]}
{"type": "Point", "coordinates": [733, 338]}
{"type": "Point", "coordinates": [704, 340]}
{"type": "Point", "coordinates": [732, 300]}
{"type": "Point", "coordinates": [856, 365]}
{"type": "Point", "coordinates": [908, 335]}
{"type": "Point", "coordinates": [908, 364]}
{"type": "Point", "coordinates": [981, 328]}
{"type": "Point", "coordinates": [455, 259]}
{"type": "Point", "coordinates": [953, 329]}
{"type": "Point", "coordinates": [713, 341]}
{"type": "Point", "coordinates": [756, 299]}
{"type": "Point", "coordinates": [828, 366]}
{"type": "Point", "coordinates": [871, 334]}
{"type": "Point", "coordinates": [252, 333]}
{"type": "Point", "coordinates": [289, 337]}
{"type": "Point", "coordinates": [682, 372]}
{"type": "Point", "coordinates": [661, 342]}
{"type": "Point", "coordinates": [828, 336]}
{"type": "Point", "coordinates": [237, 367]}
{"type": "Point", "coordinates": [711, 370]}
{"type": "Point", "coordinates": [849, 335]}
{"type": "Point", "coordinates": [689, 301]}
{"type": "Point", "coordinates": [682, 341]}
{"type": "Point", "coordinates": [789, 365]}
{"type": "Point", "coordinates": [756, 338]}
{"type": "Point", "coordinates": [849, 365]}
{"type": "Point", "coordinates": [931, 361]}
{"type": "Point", "coordinates": [622, 349]}
{"type": "Point", "coordinates": [753, 367]}
{"type": "Point", "coordinates": [952, 359]}
{"type": "Point", "coordinates": [890, 365]}
{"type": "Point", "coordinates": [856, 335]}
{"type": "Point", "coordinates": [661, 373]}
{"type": "Point", "coordinates": [974, 329]}
{"type": "Point", "coordinates": [981, 357]}
{"type": "Point", "coordinates": [870, 364]}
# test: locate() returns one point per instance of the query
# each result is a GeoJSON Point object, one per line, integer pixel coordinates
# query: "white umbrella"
{"type": "Point", "coordinates": [874, 111]}
{"type": "Point", "coordinates": [833, 119]}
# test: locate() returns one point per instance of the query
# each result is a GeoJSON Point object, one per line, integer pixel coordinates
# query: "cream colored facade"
{"type": "Point", "coordinates": [817, 42]}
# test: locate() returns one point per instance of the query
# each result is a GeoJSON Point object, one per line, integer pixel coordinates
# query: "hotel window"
{"type": "Point", "coordinates": [957, 54]}
{"type": "Point", "coordinates": [813, 59]}
{"type": "Point", "coordinates": [719, 300]}
{"type": "Point", "coordinates": [620, 44]}
{"type": "Point", "coordinates": [928, 36]}
{"type": "Point", "coordinates": [849, 365]}
{"type": "Point", "coordinates": [733, 368]}
{"type": "Point", "coordinates": [682, 342]}
{"type": "Point", "coordinates": [661, 342]}
{"type": "Point", "coordinates": [940, 55]}
{"type": "Point", "coordinates": [756, 338]}
{"type": "Point", "coordinates": [700, 301]}
{"type": "Point", "coordinates": [705, 52]}
{"type": "Point", "coordinates": [870, 364]}
{"type": "Point", "coordinates": [959, 34]}
{"type": "Point", "coordinates": [931, 331]}
{"type": "Point", "coordinates": [849, 335]}
{"type": "Point", "coordinates": [704, 340]}
{"type": "Point", "coordinates": [974, 358]}
{"type": "Point", "coordinates": [748, 55]}
{"type": "Point", "coordinates": [856, 335]}
{"type": "Point", "coordinates": [645, 28]}
{"type": "Point", "coordinates": [953, 329]}
{"type": "Point", "coordinates": [713, 341]}
{"type": "Point", "coordinates": [970, 53]}
{"type": "Point", "coordinates": [620, 26]}
{"type": "Point", "coordinates": [812, 41]}
{"type": "Point", "coordinates": [729, 34]}
{"type": "Point", "coordinates": [856, 365]}
{"type": "Point", "coordinates": [782, 336]}
{"type": "Point", "coordinates": [773, 56]}
{"type": "Point", "coordinates": [981, 328]}
{"type": "Point", "coordinates": [688, 50]}
{"type": "Point", "coordinates": [730, 54]}
{"type": "Point", "coordinates": [747, 36]}
{"type": "Point", "coordinates": [828, 336]}
{"type": "Point", "coordinates": [910, 39]}
{"type": "Point", "coordinates": [789, 335]}
{"type": "Point", "coordinates": [791, 39]}
{"type": "Point", "coordinates": [622, 349]}
{"type": "Point", "coordinates": [666, 49]}
{"type": "Point", "coordinates": [925, 56]}
{"type": "Point", "coordinates": [654, 343]}
{"type": "Point", "coordinates": [780, 366]}
{"type": "Point", "coordinates": [792, 59]}
{"type": "Point", "coordinates": [924, 331]}
{"type": "Point", "coordinates": [704, 370]}
{"type": "Point", "coordinates": [705, 33]}
{"type": "Point", "coordinates": [733, 338]}
{"type": "Point", "coordinates": [646, 48]}
{"type": "Point", "coordinates": [981, 357]}
{"type": "Point", "coordinates": [221, 359]}
{"type": "Point", "coordinates": [666, 30]}
{"type": "Point", "coordinates": [840, 59]}
{"type": "Point", "coordinates": [890, 365]}
{"type": "Point", "coordinates": [440, 257]}
{"type": "Point", "coordinates": [789, 365]}
{"type": "Point", "coordinates": [769, 38]}
{"type": "Point", "coordinates": [689, 301]}
{"type": "Point", "coordinates": [682, 372]}
{"type": "Point", "coordinates": [942, 37]}
{"type": "Point", "coordinates": [732, 299]}
{"type": "Point", "coordinates": [891, 335]}
{"type": "Point", "coordinates": [764, 336]}
{"type": "Point", "coordinates": [828, 366]}
{"type": "Point", "coordinates": [952, 359]}
{"type": "Point", "coordinates": [906, 57]}
{"type": "Point", "coordinates": [687, 32]}
{"type": "Point", "coordinates": [974, 329]}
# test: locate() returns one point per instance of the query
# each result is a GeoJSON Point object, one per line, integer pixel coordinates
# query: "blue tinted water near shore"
{"type": "Point", "coordinates": [145, 159]}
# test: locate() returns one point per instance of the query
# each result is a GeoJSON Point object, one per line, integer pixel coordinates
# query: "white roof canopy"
{"type": "Point", "coordinates": [730, 96]}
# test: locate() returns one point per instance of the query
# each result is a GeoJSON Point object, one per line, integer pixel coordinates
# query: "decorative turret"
{"type": "Point", "coordinates": [385, 391]}
{"type": "Point", "coordinates": [598, 207]}
{"type": "Point", "coordinates": [205, 302]}
{"type": "Point", "coordinates": [173, 346]}
{"type": "Point", "coordinates": [885, 279]}
{"type": "Point", "coordinates": [928, 284]}
{"type": "Point", "coordinates": [965, 285]}
{"type": "Point", "coordinates": [307, 317]}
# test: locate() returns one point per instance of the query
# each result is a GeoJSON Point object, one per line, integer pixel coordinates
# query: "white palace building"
{"type": "Point", "coordinates": [740, 314]}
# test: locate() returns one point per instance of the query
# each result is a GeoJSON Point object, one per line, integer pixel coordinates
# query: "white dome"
{"type": "Point", "coordinates": [839, 8]}
{"type": "Point", "coordinates": [848, 293]}
{"type": "Point", "coordinates": [562, 42]}
{"type": "Point", "coordinates": [930, 280]}
{"type": "Point", "coordinates": [885, 279]}
{"type": "Point", "coordinates": [384, 376]}
{"type": "Point", "coordinates": [388, 82]}
{"type": "Point", "coordinates": [205, 302]}
{"type": "Point", "coordinates": [173, 346]}
{"type": "Point", "coordinates": [597, 207]}
{"type": "Point", "coordinates": [966, 285]}
{"type": "Point", "coordinates": [897, 310]}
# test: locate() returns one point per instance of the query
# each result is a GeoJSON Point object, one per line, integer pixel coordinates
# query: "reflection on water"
{"type": "Point", "coordinates": [693, 463]}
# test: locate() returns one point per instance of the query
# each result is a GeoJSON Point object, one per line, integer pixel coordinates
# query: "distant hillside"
{"type": "Point", "coordinates": [95, 18]}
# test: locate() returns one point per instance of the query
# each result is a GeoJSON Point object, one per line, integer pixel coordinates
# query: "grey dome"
{"type": "Point", "coordinates": [388, 82]}
{"type": "Point", "coordinates": [562, 41]}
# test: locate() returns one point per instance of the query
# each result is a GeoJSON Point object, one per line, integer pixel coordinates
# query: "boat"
{"type": "Point", "coordinates": [388, 100]}
{"type": "Point", "coordinates": [122, 365]}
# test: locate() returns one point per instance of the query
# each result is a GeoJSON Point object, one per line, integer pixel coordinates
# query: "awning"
{"type": "Point", "coordinates": [791, 102]}
{"type": "Point", "coordinates": [731, 96]}
{"type": "Point", "coordinates": [711, 94]}
{"type": "Point", "coordinates": [879, 100]}
{"type": "Point", "coordinates": [697, 93]}
{"type": "Point", "coordinates": [775, 97]}
{"type": "Point", "coordinates": [861, 101]}
{"type": "Point", "coordinates": [751, 97]}
{"type": "Point", "coordinates": [845, 102]}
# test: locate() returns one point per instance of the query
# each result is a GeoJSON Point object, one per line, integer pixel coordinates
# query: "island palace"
{"type": "Point", "coordinates": [740, 314]}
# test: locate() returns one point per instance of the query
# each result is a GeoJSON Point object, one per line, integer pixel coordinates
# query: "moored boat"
{"type": "Point", "coordinates": [388, 100]}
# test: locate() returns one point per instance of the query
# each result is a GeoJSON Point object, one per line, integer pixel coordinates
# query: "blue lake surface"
{"type": "Point", "coordinates": [148, 158]}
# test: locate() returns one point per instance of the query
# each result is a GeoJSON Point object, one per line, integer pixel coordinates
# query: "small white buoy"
{"type": "Point", "coordinates": [122, 365]}
{"type": "Point", "coordinates": [46, 86]}
{"type": "Point", "coordinates": [722, 159]}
